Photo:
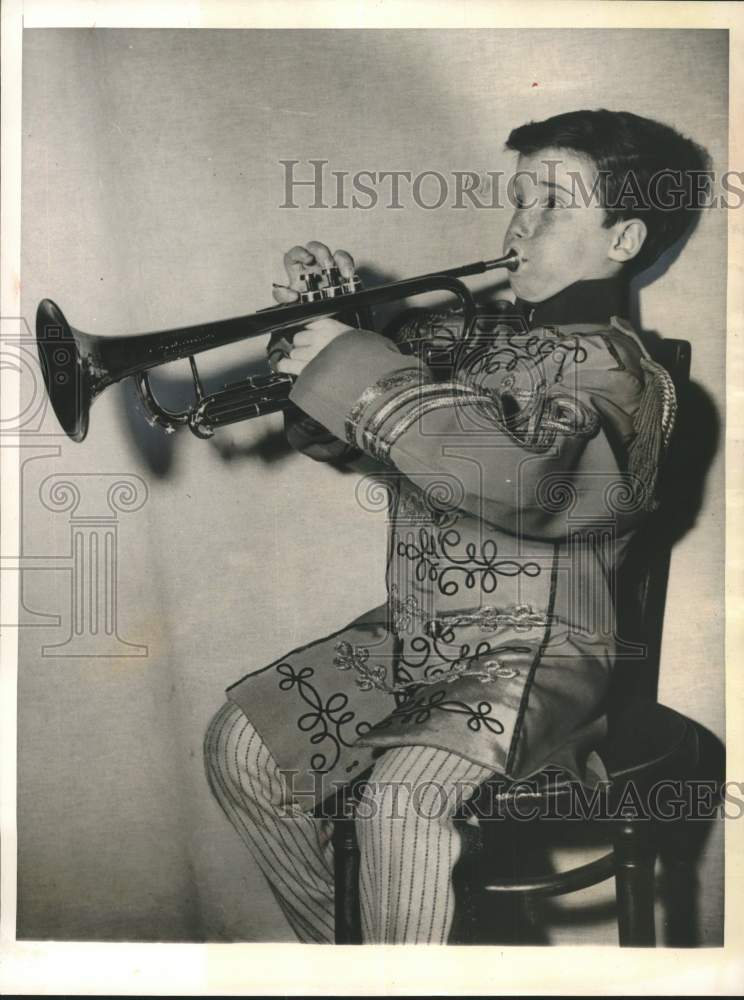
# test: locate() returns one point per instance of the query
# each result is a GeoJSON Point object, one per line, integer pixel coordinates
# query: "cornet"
{"type": "Point", "coordinates": [77, 366]}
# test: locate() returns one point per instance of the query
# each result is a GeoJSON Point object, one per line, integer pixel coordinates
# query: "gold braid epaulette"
{"type": "Point", "coordinates": [653, 423]}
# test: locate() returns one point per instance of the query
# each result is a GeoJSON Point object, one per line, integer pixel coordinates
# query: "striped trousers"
{"type": "Point", "coordinates": [405, 829]}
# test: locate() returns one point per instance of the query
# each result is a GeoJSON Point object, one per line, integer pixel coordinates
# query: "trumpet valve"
{"type": "Point", "coordinates": [311, 290]}
{"type": "Point", "coordinates": [352, 284]}
{"type": "Point", "coordinates": [333, 283]}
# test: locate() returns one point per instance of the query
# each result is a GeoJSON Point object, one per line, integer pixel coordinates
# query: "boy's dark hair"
{"type": "Point", "coordinates": [646, 170]}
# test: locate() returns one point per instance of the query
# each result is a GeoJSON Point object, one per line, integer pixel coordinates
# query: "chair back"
{"type": "Point", "coordinates": [644, 576]}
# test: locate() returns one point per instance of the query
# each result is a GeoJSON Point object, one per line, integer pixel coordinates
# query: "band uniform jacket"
{"type": "Point", "coordinates": [514, 479]}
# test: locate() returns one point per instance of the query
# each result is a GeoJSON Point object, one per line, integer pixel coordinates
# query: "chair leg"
{"type": "Point", "coordinates": [489, 853]}
{"type": "Point", "coordinates": [346, 876]}
{"type": "Point", "coordinates": [635, 854]}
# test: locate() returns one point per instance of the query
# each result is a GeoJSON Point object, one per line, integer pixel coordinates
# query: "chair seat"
{"type": "Point", "coordinates": [646, 743]}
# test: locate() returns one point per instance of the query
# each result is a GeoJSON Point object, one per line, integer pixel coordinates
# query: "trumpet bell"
{"type": "Point", "coordinates": [67, 385]}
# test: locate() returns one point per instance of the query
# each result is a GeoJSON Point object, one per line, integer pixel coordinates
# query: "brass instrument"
{"type": "Point", "coordinates": [77, 366]}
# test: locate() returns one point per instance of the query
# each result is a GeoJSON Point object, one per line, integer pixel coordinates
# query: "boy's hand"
{"type": "Point", "coordinates": [313, 257]}
{"type": "Point", "coordinates": [309, 342]}
{"type": "Point", "coordinates": [320, 332]}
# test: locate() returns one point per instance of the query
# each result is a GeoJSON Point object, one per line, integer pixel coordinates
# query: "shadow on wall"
{"type": "Point", "coordinates": [694, 446]}
{"type": "Point", "coordinates": [698, 426]}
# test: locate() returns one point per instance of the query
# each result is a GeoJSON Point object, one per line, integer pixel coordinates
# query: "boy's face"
{"type": "Point", "coordinates": [556, 229]}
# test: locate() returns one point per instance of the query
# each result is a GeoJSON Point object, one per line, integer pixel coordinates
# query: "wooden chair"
{"type": "Point", "coordinates": [646, 744]}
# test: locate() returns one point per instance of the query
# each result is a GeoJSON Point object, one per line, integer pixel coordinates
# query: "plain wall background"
{"type": "Point", "coordinates": [151, 193]}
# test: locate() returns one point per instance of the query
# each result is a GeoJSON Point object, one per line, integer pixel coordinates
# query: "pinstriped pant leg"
{"type": "Point", "coordinates": [292, 849]}
{"type": "Point", "coordinates": [409, 844]}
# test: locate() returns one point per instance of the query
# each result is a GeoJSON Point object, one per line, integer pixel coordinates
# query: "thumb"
{"type": "Point", "coordinates": [284, 294]}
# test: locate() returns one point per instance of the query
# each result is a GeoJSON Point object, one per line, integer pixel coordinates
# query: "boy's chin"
{"type": "Point", "coordinates": [528, 291]}
{"type": "Point", "coordinates": [533, 291]}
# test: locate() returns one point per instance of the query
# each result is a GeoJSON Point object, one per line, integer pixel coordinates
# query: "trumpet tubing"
{"type": "Point", "coordinates": [78, 366]}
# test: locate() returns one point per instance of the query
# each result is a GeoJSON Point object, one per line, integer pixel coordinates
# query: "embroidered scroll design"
{"type": "Point", "coordinates": [328, 720]}
{"type": "Point", "coordinates": [418, 506]}
{"type": "Point", "coordinates": [431, 334]}
{"type": "Point", "coordinates": [369, 676]}
{"type": "Point", "coordinates": [476, 567]}
{"type": "Point", "coordinates": [509, 348]}
{"type": "Point", "coordinates": [420, 710]}
{"type": "Point", "coordinates": [488, 618]}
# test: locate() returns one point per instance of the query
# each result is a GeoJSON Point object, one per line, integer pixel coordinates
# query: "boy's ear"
{"type": "Point", "coordinates": [628, 237]}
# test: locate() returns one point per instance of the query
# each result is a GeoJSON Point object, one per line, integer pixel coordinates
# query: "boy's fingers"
{"type": "Point", "coordinates": [305, 338]}
{"type": "Point", "coordinates": [303, 353]}
{"type": "Point", "coordinates": [344, 262]}
{"type": "Point", "coordinates": [317, 254]}
{"type": "Point", "coordinates": [289, 367]}
{"type": "Point", "coordinates": [298, 255]}
{"type": "Point", "coordinates": [301, 338]}
{"type": "Point", "coordinates": [321, 253]}
{"type": "Point", "coordinates": [295, 261]}
{"type": "Point", "coordinates": [317, 334]}
{"type": "Point", "coordinates": [284, 294]}
{"type": "Point", "coordinates": [325, 324]}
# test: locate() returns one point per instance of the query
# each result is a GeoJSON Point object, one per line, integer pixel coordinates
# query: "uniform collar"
{"type": "Point", "coordinates": [592, 301]}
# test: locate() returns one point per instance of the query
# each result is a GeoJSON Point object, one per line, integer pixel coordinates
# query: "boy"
{"type": "Point", "coordinates": [515, 484]}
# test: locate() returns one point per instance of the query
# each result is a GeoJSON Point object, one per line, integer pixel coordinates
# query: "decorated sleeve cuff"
{"type": "Point", "coordinates": [334, 380]}
{"type": "Point", "coordinates": [370, 395]}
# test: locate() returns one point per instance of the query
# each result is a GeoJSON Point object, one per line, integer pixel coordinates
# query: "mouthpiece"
{"type": "Point", "coordinates": [510, 261]}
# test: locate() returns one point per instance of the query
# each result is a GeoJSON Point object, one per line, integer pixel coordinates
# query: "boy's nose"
{"type": "Point", "coordinates": [522, 224]}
